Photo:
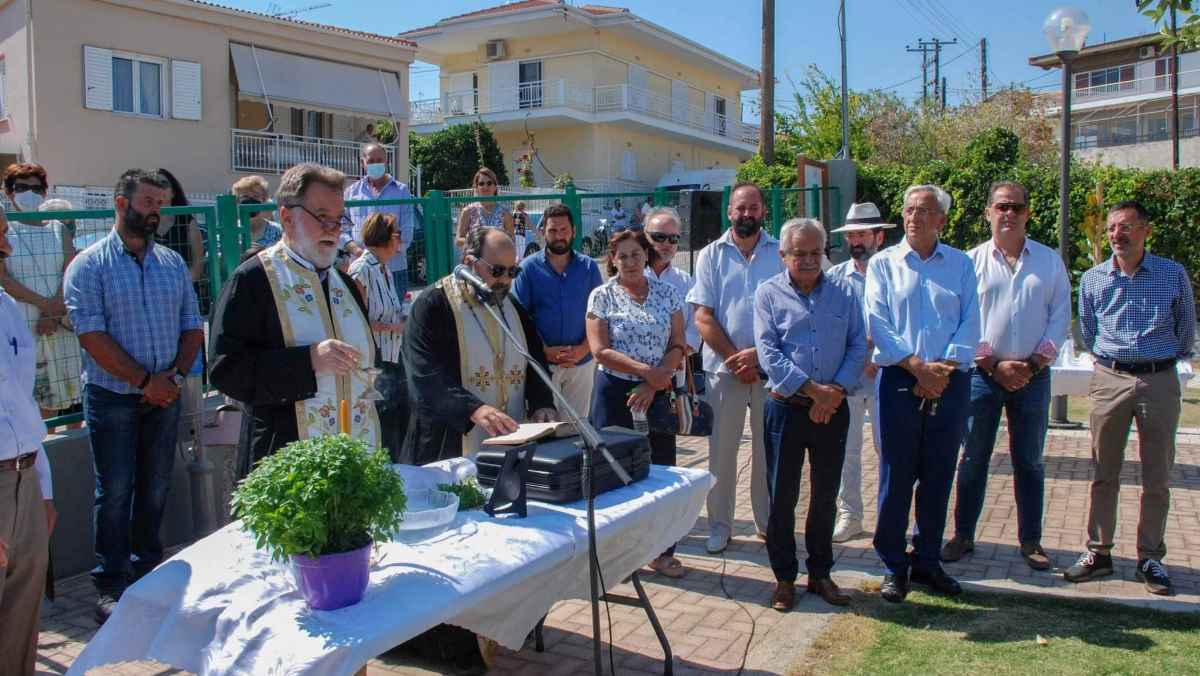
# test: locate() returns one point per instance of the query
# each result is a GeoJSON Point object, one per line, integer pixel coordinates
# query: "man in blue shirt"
{"type": "Point", "coordinates": [132, 304]}
{"type": "Point", "coordinates": [808, 329]}
{"type": "Point", "coordinates": [1137, 314]}
{"type": "Point", "coordinates": [377, 184]}
{"type": "Point", "coordinates": [728, 272]}
{"type": "Point", "coordinates": [553, 287]}
{"type": "Point", "coordinates": [923, 313]}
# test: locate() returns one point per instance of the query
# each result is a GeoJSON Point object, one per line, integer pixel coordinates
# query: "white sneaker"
{"type": "Point", "coordinates": [847, 528]}
{"type": "Point", "coordinates": [718, 540]}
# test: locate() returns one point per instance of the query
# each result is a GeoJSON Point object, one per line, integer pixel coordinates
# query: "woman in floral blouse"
{"type": "Point", "coordinates": [635, 331]}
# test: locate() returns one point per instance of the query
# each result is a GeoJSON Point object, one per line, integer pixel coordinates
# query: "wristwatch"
{"type": "Point", "coordinates": [1034, 365]}
{"type": "Point", "coordinates": [177, 379]}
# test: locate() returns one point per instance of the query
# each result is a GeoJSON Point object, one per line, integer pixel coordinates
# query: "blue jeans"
{"type": "Point", "coordinates": [133, 451]}
{"type": "Point", "coordinates": [917, 447]}
{"type": "Point", "coordinates": [1028, 412]}
{"type": "Point", "coordinates": [400, 281]}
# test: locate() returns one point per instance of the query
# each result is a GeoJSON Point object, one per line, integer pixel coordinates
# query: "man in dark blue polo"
{"type": "Point", "coordinates": [553, 287]}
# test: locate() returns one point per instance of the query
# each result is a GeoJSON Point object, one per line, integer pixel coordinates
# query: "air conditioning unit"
{"type": "Point", "coordinates": [1147, 52]}
{"type": "Point", "coordinates": [496, 50]}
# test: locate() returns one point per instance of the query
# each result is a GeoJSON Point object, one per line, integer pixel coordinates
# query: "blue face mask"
{"type": "Point", "coordinates": [375, 171]}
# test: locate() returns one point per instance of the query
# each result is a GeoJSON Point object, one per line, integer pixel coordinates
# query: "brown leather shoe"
{"type": "Point", "coordinates": [828, 590]}
{"type": "Point", "coordinates": [1035, 556]}
{"type": "Point", "coordinates": [784, 597]}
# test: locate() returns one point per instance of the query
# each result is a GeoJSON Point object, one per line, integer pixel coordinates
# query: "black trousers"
{"type": "Point", "coordinates": [788, 434]}
{"type": "Point", "coordinates": [609, 397]}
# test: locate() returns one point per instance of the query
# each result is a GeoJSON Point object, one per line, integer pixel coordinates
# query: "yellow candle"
{"type": "Point", "coordinates": [344, 416]}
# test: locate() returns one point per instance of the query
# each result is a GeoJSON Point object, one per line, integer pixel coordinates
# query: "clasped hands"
{"type": "Point", "coordinates": [932, 377]}
{"type": "Point", "coordinates": [565, 356]}
{"type": "Point", "coordinates": [744, 365]}
{"type": "Point", "coordinates": [1012, 375]}
{"type": "Point", "coordinates": [826, 400]}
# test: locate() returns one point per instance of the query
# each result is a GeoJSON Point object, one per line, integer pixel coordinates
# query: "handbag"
{"type": "Point", "coordinates": [681, 411]}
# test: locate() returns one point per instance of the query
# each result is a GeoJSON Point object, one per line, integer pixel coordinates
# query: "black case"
{"type": "Point", "coordinates": [555, 476]}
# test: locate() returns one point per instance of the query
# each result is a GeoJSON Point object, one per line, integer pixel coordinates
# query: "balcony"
{"type": "Point", "coordinates": [1132, 82]}
{"type": "Point", "coordinates": [267, 153]}
{"type": "Point", "coordinates": [595, 104]}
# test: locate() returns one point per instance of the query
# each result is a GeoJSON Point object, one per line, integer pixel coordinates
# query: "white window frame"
{"type": "Point", "coordinates": [163, 93]}
{"type": "Point", "coordinates": [3, 88]}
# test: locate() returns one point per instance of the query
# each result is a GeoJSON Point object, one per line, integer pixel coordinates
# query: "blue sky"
{"type": "Point", "coordinates": [806, 33]}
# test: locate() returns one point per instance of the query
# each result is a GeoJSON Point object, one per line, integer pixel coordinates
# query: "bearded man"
{"type": "Point", "coordinates": [466, 382]}
{"type": "Point", "coordinates": [728, 272]}
{"type": "Point", "coordinates": [290, 334]}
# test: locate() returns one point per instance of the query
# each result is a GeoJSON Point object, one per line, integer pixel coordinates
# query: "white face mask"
{"type": "Point", "coordinates": [376, 171]}
{"type": "Point", "coordinates": [28, 200]}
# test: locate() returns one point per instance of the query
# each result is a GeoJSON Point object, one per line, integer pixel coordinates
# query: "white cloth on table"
{"type": "Point", "coordinates": [1071, 373]}
{"type": "Point", "coordinates": [222, 607]}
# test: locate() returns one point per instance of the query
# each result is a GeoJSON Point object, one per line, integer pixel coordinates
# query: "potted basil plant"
{"type": "Point", "coordinates": [321, 502]}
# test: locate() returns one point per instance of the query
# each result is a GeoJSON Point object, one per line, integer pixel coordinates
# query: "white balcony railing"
{"type": "Point", "coordinates": [562, 93]}
{"type": "Point", "coordinates": [267, 153]}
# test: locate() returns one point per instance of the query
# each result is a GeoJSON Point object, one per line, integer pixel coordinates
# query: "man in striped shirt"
{"type": "Point", "coordinates": [1137, 314]}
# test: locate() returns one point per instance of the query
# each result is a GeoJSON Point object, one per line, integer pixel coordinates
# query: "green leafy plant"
{"type": "Point", "coordinates": [320, 496]}
{"type": "Point", "coordinates": [449, 158]}
{"type": "Point", "coordinates": [470, 496]}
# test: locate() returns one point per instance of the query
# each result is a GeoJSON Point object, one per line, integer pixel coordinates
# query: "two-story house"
{"type": "Point", "coordinates": [1121, 103]}
{"type": "Point", "coordinates": [92, 87]}
{"type": "Point", "coordinates": [612, 99]}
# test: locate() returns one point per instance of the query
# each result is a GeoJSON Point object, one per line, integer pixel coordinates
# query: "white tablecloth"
{"type": "Point", "coordinates": [222, 607]}
{"type": "Point", "coordinates": [1071, 373]}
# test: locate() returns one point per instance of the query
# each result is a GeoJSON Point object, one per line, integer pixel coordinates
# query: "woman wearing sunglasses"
{"type": "Point", "coordinates": [635, 331]}
{"type": "Point", "coordinates": [253, 190]}
{"type": "Point", "coordinates": [483, 214]}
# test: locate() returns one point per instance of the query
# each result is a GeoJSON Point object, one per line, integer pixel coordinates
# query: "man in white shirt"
{"type": "Point", "coordinates": [620, 217]}
{"type": "Point", "coordinates": [664, 228]}
{"type": "Point", "coordinates": [728, 272]}
{"type": "Point", "coordinates": [1024, 313]}
{"type": "Point", "coordinates": [27, 512]}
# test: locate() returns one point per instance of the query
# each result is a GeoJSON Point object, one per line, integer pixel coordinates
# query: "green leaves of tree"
{"type": "Point", "coordinates": [320, 496]}
{"type": "Point", "coordinates": [449, 158]}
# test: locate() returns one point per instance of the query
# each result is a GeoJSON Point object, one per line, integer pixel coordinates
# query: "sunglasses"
{"type": "Point", "coordinates": [250, 200]}
{"type": "Point", "coordinates": [1009, 206]}
{"type": "Point", "coordinates": [485, 184]}
{"type": "Point", "coordinates": [22, 187]}
{"type": "Point", "coordinates": [663, 237]}
{"type": "Point", "coordinates": [501, 270]}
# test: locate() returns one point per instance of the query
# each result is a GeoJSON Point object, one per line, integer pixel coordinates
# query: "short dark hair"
{"type": "Point", "coordinates": [1013, 185]}
{"type": "Point", "coordinates": [624, 236]}
{"type": "Point", "coordinates": [762, 197]}
{"type": "Point", "coordinates": [132, 178]}
{"type": "Point", "coordinates": [24, 170]}
{"type": "Point", "coordinates": [477, 240]}
{"type": "Point", "coordinates": [1137, 206]}
{"type": "Point", "coordinates": [558, 211]}
{"type": "Point", "coordinates": [377, 229]}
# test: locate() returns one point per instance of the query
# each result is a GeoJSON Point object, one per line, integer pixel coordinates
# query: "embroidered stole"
{"type": "Point", "coordinates": [491, 368]}
{"type": "Point", "coordinates": [306, 319]}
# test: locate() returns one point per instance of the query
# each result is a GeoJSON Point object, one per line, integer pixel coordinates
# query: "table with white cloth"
{"type": "Point", "coordinates": [221, 606]}
{"type": "Point", "coordinates": [1071, 373]}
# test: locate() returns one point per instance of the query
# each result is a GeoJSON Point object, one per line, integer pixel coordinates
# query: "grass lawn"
{"type": "Point", "coordinates": [1079, 408]}
{"type": "Point", "coordinates": [991, 634]}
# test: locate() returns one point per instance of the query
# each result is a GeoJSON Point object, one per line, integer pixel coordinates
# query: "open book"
{"type": "Point", "coordinates": [528, 432]}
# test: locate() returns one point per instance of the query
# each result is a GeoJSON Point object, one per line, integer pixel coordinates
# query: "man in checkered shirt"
{"type": "Point", "coordinates": [132, 304]}
{"type": "Point", "coordinates": [1137, 314]}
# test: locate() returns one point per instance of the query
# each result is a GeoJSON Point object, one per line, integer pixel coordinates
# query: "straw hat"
{"type": "Point", "coordinates": [863, 216]}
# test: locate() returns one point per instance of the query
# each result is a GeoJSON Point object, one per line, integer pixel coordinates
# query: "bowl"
{"type": "Point", "coordinates": [428, 510]}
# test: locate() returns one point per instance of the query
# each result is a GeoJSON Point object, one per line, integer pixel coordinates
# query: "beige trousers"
{"type": "Point", "coordinates": [23, 527]}
{"type": "Point", "coordinates": [1153, 401]}
{"type": "Point", "coordinates": [729, 398]}
{"type": "Point", "coordinates": [576, 386]}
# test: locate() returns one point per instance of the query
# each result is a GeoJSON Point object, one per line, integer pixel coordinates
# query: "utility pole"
{"type": "Point", "coordinates": [766, 139]}
{"type": "Point", "coordinates": [943, 94]}
{"type": "Point", "coordinates": [845, 154]}
{"type": "Point", "coordinates": [1174, 92]}
{"type": "Point", "coordinates": [983, 69]}
{"type": "Point", "coordinates": [923, 48]}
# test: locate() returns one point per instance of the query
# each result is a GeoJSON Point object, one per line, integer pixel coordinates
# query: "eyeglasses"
{"type": "Point", "coordinates": [918, 211]}
{"type": "Point", "coordinates": [1014, 207]}
{"type": "Point", "coordinates": [250, 200]}
{"type": "Point", "coordinates": [803, 254]}
{"type": "Point", "coordinates": [485, 184]}
{"type": "Point", "coordinates": [501, 270]}
{"type": "Point", "coordinates": [23, 187]}
{"type": "Point", "coordinates": [326, 225]}
{"type": "Point", "coordinates": [663, 237]}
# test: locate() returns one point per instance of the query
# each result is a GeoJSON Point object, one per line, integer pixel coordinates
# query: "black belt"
{"type": "Point", "coordinates": [18, 463]}
{"type": "Point", "coordinates": [796, 400]}
{"type": "Point", "coordinates": [1136, 367]}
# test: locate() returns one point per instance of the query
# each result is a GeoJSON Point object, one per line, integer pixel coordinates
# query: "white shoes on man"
{"type": "Point", "coordinates": [847, 528]}
{"type": "Point", "coordinates": [718, 539]}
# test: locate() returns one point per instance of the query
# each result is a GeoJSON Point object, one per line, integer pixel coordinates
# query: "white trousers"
{"type": "Point", "coordinates": [576, 385]}
{"type": "Point", "coordinates": [850, 502]}
{"type": "Point", "coordinates": [729, 398]}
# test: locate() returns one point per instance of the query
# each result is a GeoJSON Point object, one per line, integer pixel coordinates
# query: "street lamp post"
{"type": "Point", "coordinates": [1065, 28]}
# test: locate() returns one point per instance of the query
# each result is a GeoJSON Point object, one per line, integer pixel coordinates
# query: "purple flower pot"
{"type": "Point", "coordinates": [333, 581]}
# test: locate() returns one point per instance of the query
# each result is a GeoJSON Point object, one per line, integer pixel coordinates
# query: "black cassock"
{"type": "Point", "coordinates": [250, 363]}
{"type": "Point", "coordinates": [441, 407]}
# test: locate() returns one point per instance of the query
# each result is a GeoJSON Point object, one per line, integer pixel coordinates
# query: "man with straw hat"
{"type": "Point", "coordinates": [864, 233]}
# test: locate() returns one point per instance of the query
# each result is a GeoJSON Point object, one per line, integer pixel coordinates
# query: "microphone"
{"type": "Point", "coordinates": [482, 291]}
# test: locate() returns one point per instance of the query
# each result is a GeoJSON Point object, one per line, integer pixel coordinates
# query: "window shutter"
{"type": "Point", "coordinates": [3, 89]}
{"type": "Point", "coordinates": [185, 90]}
{"type": "Point", "coordinates": [97, 78]}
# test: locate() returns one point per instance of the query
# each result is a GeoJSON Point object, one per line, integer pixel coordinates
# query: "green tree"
{"type": "Point", "coordinates": [1187, 20]}
{"type": "Point", "coordinates": [449, 158]}
{"type": "Point", "coordinates": [816, 128]}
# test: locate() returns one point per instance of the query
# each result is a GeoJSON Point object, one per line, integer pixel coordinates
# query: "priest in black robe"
{"type": "Point", "coordinates": [290, 336]}
{"type": "Point", "coordinates": [466, 382]}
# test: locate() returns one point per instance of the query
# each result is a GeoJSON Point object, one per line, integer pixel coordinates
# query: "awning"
{"type": "Point", "coordinates": [279, 76]}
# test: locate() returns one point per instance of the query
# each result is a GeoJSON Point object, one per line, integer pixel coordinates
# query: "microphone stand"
{"type": "Point", "coordinates": [592, 443]}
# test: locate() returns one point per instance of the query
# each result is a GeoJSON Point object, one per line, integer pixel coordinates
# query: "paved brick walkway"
{"type": "Point", "coordinates": [709, 632]}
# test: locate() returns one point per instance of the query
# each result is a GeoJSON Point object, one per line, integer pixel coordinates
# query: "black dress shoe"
{"type": "Point", "coordinates": [937, 580]}
{"type": "Point", "coordinates": [894, 588]}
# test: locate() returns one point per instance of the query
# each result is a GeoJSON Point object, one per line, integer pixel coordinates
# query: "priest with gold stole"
{"type": "Point", "coordinates": [290, 335]}
{"type": "Point", "coordinates": [466, 381]}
